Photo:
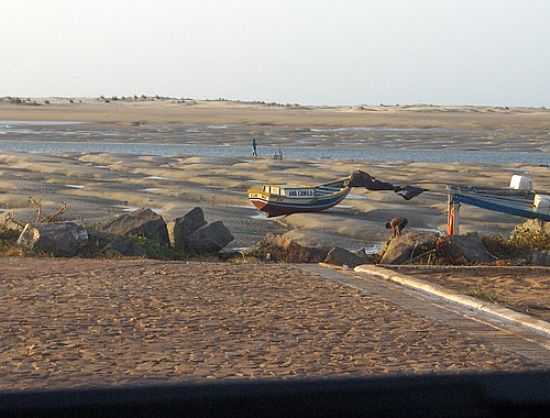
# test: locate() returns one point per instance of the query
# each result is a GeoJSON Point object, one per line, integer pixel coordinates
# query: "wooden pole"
{"type": "Point", "coordinates": [453, 217]}
{"type": "Point", "coordinates": [456, 214]}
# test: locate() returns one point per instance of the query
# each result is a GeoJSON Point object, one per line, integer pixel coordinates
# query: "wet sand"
{"type": "Point", "coordinates": [97, 186]}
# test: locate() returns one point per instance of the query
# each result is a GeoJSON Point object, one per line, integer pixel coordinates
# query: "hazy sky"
{"type": "Point", "coordinates": [306, 51]}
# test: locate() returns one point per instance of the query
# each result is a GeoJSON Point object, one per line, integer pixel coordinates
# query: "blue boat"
{"type": "Point", "coordinates": [508, 201]}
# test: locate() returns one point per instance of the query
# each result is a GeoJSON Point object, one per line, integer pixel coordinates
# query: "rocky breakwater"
{"type": "Point", "coordinates": [299, 246]}
{"type": "Point", "coordinates": [139, 233]}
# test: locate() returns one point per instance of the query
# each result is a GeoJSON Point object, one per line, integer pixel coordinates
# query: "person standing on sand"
{"type": "Point", "coordinates": [254, 151]}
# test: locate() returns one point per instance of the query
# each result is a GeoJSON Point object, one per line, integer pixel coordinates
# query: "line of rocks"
{"type": "Point", "coordinates": [139, 233]}
{"type": "Point", "coordinates": [298, 246]}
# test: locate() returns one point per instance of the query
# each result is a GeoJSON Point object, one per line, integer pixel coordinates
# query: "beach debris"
{"type": "Point", "coordinates": [292, 247]}
{"type": "Point", "coordinates": [278, 155]}
{"type": "Point", "coordinates": [397, 225]}
{"type": "Point", "coordinates": [39, 217]}
{"type": "Point", "coordinates": [64, 239]}
{"type": "Point", "coordinates": [342, 257]}
{"type": "Point", "coordinates": [470, 247]}
{"type": "Point", "coordinates": [404, 248]}
{"type": "Point", "coordinates": [182, 228]}
{"type": "Point", "coordinates": [209, 239]}
{"type": "Point", "coordinates": [8, 221]}
{"type": "Point", "coordinates": [139, 223]}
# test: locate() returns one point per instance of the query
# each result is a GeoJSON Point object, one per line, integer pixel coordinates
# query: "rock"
{"type": "Point", "coordinates": [405, 247]}
{"type": "Point", "coordinates": [185, 226]}
{"type": "Point", "coordinates": [102, 243]}
{"type": "Point", "coordinates": [124, 246]}
{"type": "Point", "coordinates": [64, 239]}
{"type": "Point", "coordinates": [292, 247]}
{"type": "Point", "coordinates": [470, 247]}
{"type": "Point", "coordinates": [139, 223]}
{"type": "Point", "coordinates": [342, 257]}
{"type": "Point", "coordinates": [209, 239]}
{"type": "Point", "coordinates": [540, 258]}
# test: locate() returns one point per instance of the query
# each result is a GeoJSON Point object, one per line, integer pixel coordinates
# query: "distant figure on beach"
{"type": "Point", "coordinates": [254, 151]}
{"type": "Point", "coordinates": [397, 225]}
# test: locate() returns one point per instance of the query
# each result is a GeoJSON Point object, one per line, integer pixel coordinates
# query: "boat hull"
{"type": "Point", "coordinates": [513, 207]}
{"type": "Point", "coordinates": [280, 207]}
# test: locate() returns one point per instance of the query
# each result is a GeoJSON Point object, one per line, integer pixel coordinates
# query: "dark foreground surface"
{"type": "Point", "coordinates": [491, 395]}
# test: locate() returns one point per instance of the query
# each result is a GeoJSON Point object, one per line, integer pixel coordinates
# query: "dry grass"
{"type": "Point", "coordinates": [8, 246]}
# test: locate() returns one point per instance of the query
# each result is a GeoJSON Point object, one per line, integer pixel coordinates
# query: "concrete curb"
{"type": "Point", "coordinates": [434, 289]}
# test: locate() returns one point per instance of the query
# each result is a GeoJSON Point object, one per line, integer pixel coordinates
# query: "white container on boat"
{"type": "Point", "coordinates": [542, 203]}
{"type": "Point", "coordinates": [521, 182]}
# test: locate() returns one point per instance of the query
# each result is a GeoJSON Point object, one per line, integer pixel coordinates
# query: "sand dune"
{"type": "Point", "coordinates": [234, 112]}
{"type": "Point", "coordinates": [100, 185]}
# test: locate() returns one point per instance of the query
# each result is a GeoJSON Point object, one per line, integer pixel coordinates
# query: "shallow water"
{"type": "Point", "coordinates": [356, 143]}
{"type": "Point", "coordinates": [365, 153]}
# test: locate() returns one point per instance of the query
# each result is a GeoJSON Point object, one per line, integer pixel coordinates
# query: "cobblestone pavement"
{"type": "Point", "coordinates": [91, 322]}
{"type": "Point", "coordinates": [524, 289]}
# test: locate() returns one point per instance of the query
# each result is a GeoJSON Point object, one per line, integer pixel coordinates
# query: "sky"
{"type": "Point", "coordinates": [323, 52]}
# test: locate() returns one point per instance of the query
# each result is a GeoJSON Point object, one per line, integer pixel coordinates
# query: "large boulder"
{"type": "Point", "coordinates": [402, 249]}
{"type": "Point", "coordinates": [139, 223]}
{"type": "Point", "coordinates": [470, 247]}
{"type": "Point", "coordinates": [209, 239]}
{"type": "Point", "coordinates": [63, 239]}
{"type": "Point", "coordinates": [184, 227]}
{"type": "Point", "coordinates": [292, 247]}
{"type": "Point", "coordinates": [342, 257]}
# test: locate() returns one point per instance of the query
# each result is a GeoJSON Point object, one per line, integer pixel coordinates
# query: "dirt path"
{"type": "Point", "coordinates": [92, 322]}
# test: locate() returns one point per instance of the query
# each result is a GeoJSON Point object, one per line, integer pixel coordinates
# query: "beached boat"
{"type": "Point", "coordinates": [277, 200]}
{"type": "Point", "coordinates": [524, 203]}
{"type": "Point", "coordinates": [508, 201]}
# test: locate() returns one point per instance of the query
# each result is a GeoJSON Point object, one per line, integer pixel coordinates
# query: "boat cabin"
{"type": "Point", "coordinates": [289, 192]}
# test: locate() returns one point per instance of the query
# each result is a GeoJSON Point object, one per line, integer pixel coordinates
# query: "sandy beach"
{"type": "Point", "coordinates": [97, 185]}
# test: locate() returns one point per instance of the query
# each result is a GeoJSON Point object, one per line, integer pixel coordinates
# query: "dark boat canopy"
{"type": "Point", "coordinates": [362, 179]}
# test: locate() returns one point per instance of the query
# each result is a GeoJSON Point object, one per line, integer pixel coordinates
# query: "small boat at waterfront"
{"type": "Point", "coordinates": [516, 202]}
{"type": "Point", "coordinates": [278, 200]}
